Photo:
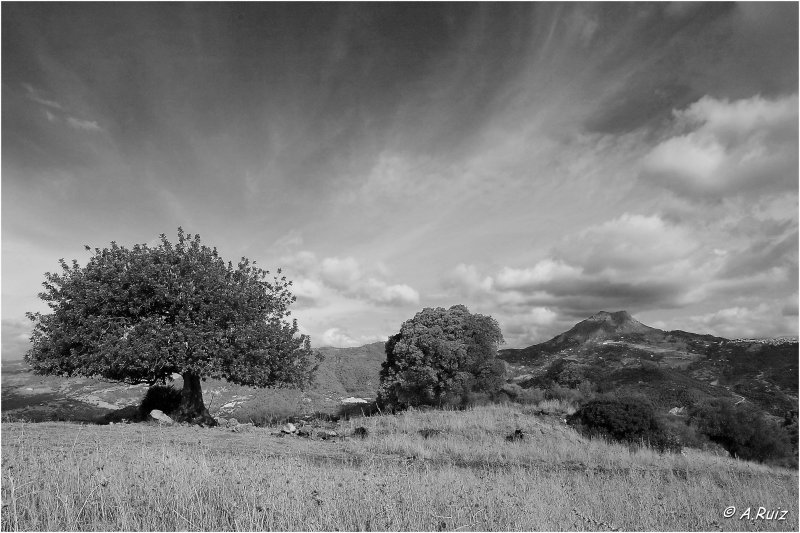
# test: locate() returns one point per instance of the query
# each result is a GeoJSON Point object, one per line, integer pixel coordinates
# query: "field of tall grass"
{"type": "Point", "coordinates": [464, 476]}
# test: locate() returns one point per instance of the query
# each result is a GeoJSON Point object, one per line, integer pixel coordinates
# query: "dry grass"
{"type": "Point", "coordinates": [59, 476]}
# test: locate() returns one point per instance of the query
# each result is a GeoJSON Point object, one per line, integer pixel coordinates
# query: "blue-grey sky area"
{"type": "Point", "coordinates": [537, 162]}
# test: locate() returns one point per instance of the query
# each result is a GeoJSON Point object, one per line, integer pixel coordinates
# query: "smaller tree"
{"type": "Point", "coordinates": [441, 356]}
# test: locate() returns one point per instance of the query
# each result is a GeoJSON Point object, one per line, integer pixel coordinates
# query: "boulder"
{"type": "Point", "coordinates": [159, 416]}
{"type": "Point", "coordinates": [289, 428]}
{"type": "Point", "coordinates": [326, 434]}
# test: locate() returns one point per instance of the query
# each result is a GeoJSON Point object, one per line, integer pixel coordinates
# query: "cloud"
{"type": "Point", "coordinates": [345, 276]}
{"type": "Point", "coordinates": [725, 148]}
{"type": "Point", "coordinates": [85, 125]}
{"type": "Point", "coordinates": [16, 337]}
{"type": "Point", "coordinates": [761, 320]}
{"type": "Point", "coordinates": [340, 274]}
{"type": "Point", "coordinates": [627, 245]}
{"type": "Point", "coordinates": [468, 280]}
{"type": "Point", "coordinates": [293, 239]}
{"type": "Point", "coordinates": [543, 272]}
{"type": "Point", "coordinates": [393, 295]}
{"type": "Point", "coordinates": [525, 328]}
{"type": "Point", "coordinates": [37, 96]}
{"type": "Point", "coordinates": [307, 291]}
{"type": "Point", "coordinates": [339, 338]}
{"type": "Point", "coordinates": [634, 262]}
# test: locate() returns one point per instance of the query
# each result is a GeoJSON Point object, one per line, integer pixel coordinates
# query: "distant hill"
{"type": "Point", "coordinates": [614, 351]}
{"type": "Point", "coordinates": [672, 368]}
{"type": "Point", "coordinates": [344, 373]}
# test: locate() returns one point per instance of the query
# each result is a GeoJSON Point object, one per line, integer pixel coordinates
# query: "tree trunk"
{"type": "Point", "coordinates": [192, 408]}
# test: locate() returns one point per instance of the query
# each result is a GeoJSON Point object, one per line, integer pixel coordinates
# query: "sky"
{"type": "Point", "coordinates": [536, 162]}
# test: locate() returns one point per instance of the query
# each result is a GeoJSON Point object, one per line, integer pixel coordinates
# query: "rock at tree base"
{"type": "Point", "coordinates": [155, 414]}
{"type": "Point", "coordinates": [232, 422]}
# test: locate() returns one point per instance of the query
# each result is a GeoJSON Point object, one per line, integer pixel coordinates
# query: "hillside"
{"type": "Point", "coordinates": [465, 476]}
{"type": "Point", "coordinates": [614, 351]}
{"type": "Point", "coordinates": [344, 373]}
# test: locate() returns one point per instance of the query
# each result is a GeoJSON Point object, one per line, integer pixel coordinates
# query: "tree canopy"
{"type": "Point", "coordinates": [142, 314]}
{"type": "Point", "coordinates": [441, 356]}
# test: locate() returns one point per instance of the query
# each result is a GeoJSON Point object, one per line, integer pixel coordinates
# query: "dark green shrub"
{"type": "Point", "coordinates": [165, 398]}
{"type": "Point", "coordinates": [743, 431]}
{"type": "Point", "coordinates": [566, 394]}
{"type": "Point", "coordinates": [624, 420]}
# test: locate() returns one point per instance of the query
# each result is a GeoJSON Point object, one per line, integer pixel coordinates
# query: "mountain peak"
{"type": "Point", "coordinates": [618, 317]}
{"type": "Point", "coordinates": [601, 326]}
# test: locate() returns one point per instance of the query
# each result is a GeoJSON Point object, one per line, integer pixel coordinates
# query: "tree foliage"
{"type": "Point", "coordinates": [441, 356]}
{"type": "Point", "coordinates": [141, 314]}
{"type": "Point", "coordinates": [743, 431]}
{"type": "Point", "coordinates": [623, 419]}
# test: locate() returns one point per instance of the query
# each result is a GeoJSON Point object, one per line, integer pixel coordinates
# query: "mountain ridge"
{"type": "Point", "coordinates": [611, 350]}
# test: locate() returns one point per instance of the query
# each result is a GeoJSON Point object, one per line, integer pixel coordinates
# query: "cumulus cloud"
{"type": "Point", "coordinates": [339, 338]}
{"type": "Point", "coordinates": [341, 274]}
{"type": "Point", "coordinates": [761, 320]}
{"type": "Point", "coordinates": [525, 328]}
{"type": "Point", "coordinates": [382, 293]}
{"type": "Point", "coordinates": [319, 280]}
{"type": "Point", "coordinates": [634, 262]}
{"type": "Point", "coordinates": [541, 273]}
{"type": "Point", "coordinates": [16, 335]}
{"type": "Point", "coordinates": [467, 279]}
{"type": "Point", "coordinates": [724, 148]}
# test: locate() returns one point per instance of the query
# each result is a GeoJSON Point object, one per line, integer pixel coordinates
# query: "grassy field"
{"type": "Point", "coordinates": [61, 476]}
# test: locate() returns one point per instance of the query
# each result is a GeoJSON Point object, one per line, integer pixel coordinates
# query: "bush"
{"type": "Point", "coordinates": [743, 431]}
{"type": "Point", "coordinates": [522, 395]}
{"type": "Point", "coordinates": [165, 398]}
{"type": "Point", "coordinates": [566, 394]}
{"type": "Point", "coordinates": [624, 420]}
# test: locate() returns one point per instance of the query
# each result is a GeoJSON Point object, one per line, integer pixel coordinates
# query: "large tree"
{"type": "Point", "coordinates": [441, 356]}
{"type": "Point", "coordinates": [142, 314]}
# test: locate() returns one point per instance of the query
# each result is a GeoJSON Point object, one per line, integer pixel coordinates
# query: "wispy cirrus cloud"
{"type": "Point", "coordinates": [38, 96]}
{"type": "Point", "coordinates": [85, 125]}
